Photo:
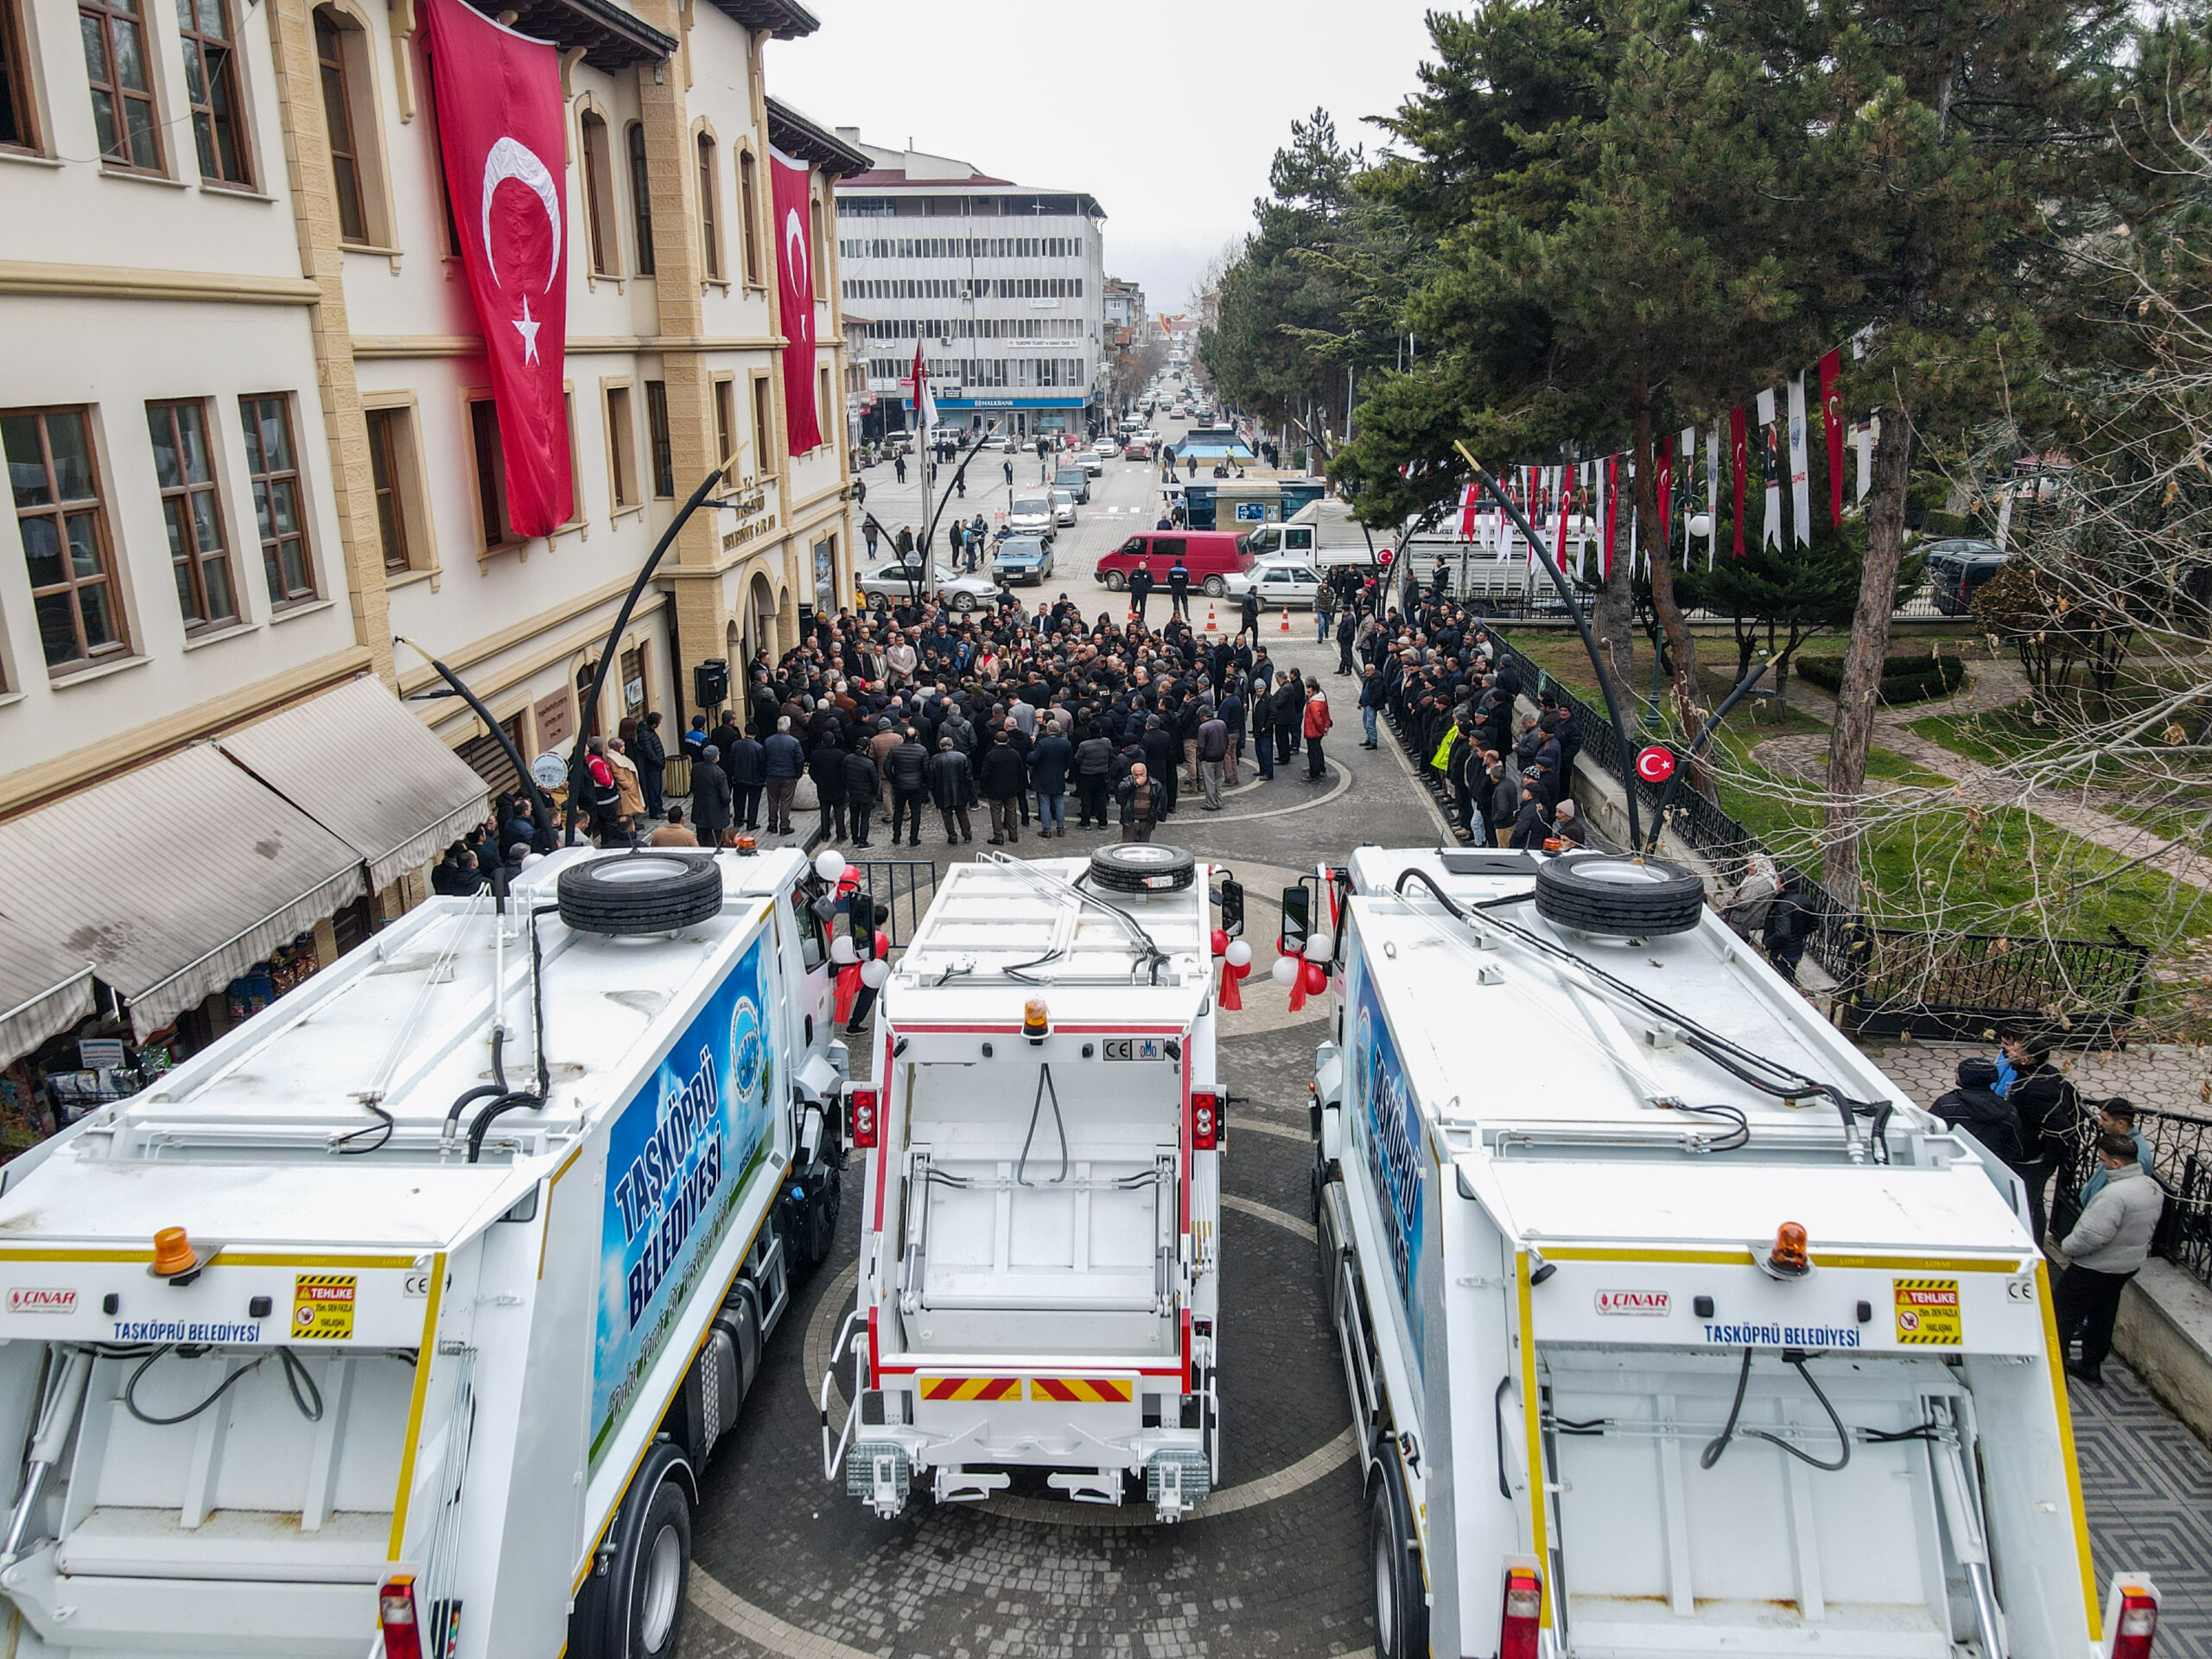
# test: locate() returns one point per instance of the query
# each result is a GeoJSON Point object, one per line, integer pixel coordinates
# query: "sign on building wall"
{"type": "Point", "coordinates": [556, 720]}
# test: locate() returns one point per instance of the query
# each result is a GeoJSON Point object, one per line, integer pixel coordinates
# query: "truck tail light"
{"type": "Point", "coordinates": [2138, 1625]}
{"type": "Point", "coordinates": [866, 1125]}
{"type": "Point", "coordinates": [403, 1636]}
{"type": "Point", "coordinates": [1524, 1614]}
{"type": "Point", "coordinates": [1205, 1122]}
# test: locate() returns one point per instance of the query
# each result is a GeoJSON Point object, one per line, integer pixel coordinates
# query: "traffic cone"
{"type": "Point", "coordinates": [1212, 627]}
{"type": "Point", "coordinates": [1286, 619]}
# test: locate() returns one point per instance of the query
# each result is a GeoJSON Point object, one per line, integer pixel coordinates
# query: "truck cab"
{"type": "Point", "coordinates": [1040, 1220]}
{"type": "Point", "coordinates": [1670, 1325]}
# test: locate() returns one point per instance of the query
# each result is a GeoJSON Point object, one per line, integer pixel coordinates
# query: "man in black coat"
{"type": "Point", "coordinates": [952, 787]}
{"type": "Point", "coordinates": [1003, 779]}
{"type": "Point", "coordinates": [1159, 762]}
{"type": "Point", "coordinates": [1178, 588]}
{"type": "Point", "coordinates": [1140, 588]}
{"type": "Point", "coordinates": [908, 764]}
{"type": "Point", "coordinates": [2047, 1108]}
{"type": "Point", "coordinates": [652, 758]}
{"type": "Point", "coordinates": [711, 797]}
{"type": "Point", "coordinates": [1976, 1107]}
{"type": "Point", "coordinates": [862, 783]}
{"type": "Point", "coordinates": [747, 763]}
{"type": "Point", "coordinates": [1049, 759]}
{"type": "Point", "coordinates": [826, 766]}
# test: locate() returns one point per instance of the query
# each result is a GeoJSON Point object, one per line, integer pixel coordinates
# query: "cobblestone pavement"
{"type": "Point", "coordinates": [2157, 1077]}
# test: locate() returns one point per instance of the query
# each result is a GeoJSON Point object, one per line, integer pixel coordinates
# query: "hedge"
{"type": "Point", "coordinates": [1907, 677]}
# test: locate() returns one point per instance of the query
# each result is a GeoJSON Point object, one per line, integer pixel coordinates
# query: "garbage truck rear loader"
{"type": "Point", "coordinates": [1669, 1325]}
{"type": "Point", "coordinates": [410, 1310]}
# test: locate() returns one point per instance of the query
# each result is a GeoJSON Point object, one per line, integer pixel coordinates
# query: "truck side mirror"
{"type": "Point", "coordinates": [1297, 921]}
{"type": "Point", "coordinates": [1232, 907]}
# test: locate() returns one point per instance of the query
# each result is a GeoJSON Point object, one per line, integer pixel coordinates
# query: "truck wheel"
{"type": "Point", "coordinates": [1401, 1609]}
{"type": "Point", "coordinates": [1116, 582]}
{"type": "Point", "coordinates": [1141, 867]}
{"type": "Point", "coordinates": [634, 1609]}
{"type": "Point", "coordinates": [640, 892]}
{"type": "Point", "coordinates": [1608, 893]}
{"type": "Point", "coordinates": [1216, 587]}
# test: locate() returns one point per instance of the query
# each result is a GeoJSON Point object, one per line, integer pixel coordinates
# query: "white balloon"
{"type": "Point", "coordinates": [1239, 954]}
{"type": "Point", "coordinates": [841, 950]}
{"type": "Point", "coordinates": [874, 971]}
{"type": "Point", "coordinates": [1318, 947]}
{"type": "Point", "coordinates": [830, 864]}
{"type": "Point", "coordinates": [1284, 971]}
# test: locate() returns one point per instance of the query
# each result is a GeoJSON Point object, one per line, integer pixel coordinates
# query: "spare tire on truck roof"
{"type": "Point", "coordinates": [1612, 893]}
{"type": "Point", "coordinates": [1141, 867]}
{"type": "Point", "coordinates": [649, 892]}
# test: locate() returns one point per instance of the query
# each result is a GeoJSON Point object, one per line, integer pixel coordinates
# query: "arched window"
{"type": "Point", "coordinates": [748, 207]}
{"type": "Point", "coordinates": [710, 235]}
{"type": "Point", "coordinates": [349, 113]}
{"type": "Point", "coordinates": [641, 201]}
{"type": "Point", "coordinates": [599, 202]}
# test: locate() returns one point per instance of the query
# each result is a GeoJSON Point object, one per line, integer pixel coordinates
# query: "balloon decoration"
{"type": "Point", "coordinates": [841, 949]}
{"type": "Point", "coordinates": [1239, 955]}
{"type": "Point", "coordinates": [873, 974]}
{"type": "Point", "coordinates": [1318, 947]}
{"type": "Point", "coordinates": [1220, 941]}
{"type": "Point", "coordinates": [1284, 971]}
{"type": "Point", "coordinates": [830, 864]}
{"type": "Point", "coordinates": [1316, 979]}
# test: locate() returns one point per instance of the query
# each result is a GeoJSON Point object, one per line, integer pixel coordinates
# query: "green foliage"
{"type": "Point", "coordinates": [1907, 677]}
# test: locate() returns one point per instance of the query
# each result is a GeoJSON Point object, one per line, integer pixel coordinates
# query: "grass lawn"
{"type": "Point", "coordinates": [1997, 735]}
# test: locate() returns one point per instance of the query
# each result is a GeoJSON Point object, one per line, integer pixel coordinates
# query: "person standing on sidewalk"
{"type": "Point", "coordinates": [1140, 588]}
{"type": "Point", "coordinates": [1093, 768]}
{"type": "Point", "coordinates": [1050, 756]}
{"type": "Point", "coordinates": [826, 766]}
{"type": "Point", "coordinates": [2048, 1110]}
{"type": "Point", "coordinates": [952, 786]}
{"type": "Point", "coordinates": [1178, 588]}
{"type": "Point", "coordinates": [1213, 758]}
{"type": "Point", "coordinates": [863, 784]}
{"type": "Point", "coordinates": [783, 758]}
{"type": "Point", "coordinates": [652, 756]}
{"type": "Point", "coordinates": [711, 797]}
{"type": "Point", "coordinates": [1371, 703]}
{"type": "Point", "coordinates": [1316, 728]}
{"type": "Point", "coordinates": [1002, 779]}
{"type": "Point", "coordinates": [2105, 1250]}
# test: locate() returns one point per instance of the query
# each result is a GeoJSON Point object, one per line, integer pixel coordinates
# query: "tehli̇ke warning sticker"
{"type": "Point", "coordinates": [1928, 1312]}
{"type": "Point", "coordinates": [322, 1306]}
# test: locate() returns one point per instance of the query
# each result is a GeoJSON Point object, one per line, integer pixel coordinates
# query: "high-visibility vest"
{"type": "Point", "coordinates": [1443, 751]}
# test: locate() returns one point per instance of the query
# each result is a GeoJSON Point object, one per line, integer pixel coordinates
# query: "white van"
{"type": "Point", "coordinates": [1034, 514]}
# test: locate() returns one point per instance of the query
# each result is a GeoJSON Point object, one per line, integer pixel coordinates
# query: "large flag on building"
{"type": "Point", "coordinates": [500, 133]}
{"type": "Point", "coordinates": [794, 223]}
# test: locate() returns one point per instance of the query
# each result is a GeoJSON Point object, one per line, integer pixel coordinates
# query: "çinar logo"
{"type": "Point", "coordinates": [41, 1301]}
{"type": "Point", "coordinates": [1645, 1303]}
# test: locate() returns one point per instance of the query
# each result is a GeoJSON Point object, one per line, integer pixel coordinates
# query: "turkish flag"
{"type": "Point", "coordinates": [794, 228]}
{"type": "Point", "coordinates": [1832, 425]}
{"type": "Point", "coordinates": [500, 132]}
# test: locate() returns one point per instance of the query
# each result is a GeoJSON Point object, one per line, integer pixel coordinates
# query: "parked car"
{"type": "Point", "coordinates": [891, 584]}
{"type": "Point", "coordinates": [1075, 480]}
{"type": "Point", "coordinates": [1031, 514]}
{"type": "Point", "coordinates": [1136, 449]}
{"type": "Point", "coordinates": [1104, 446]}
{"type": "Point", "coordinates": [1282, 584]}
{"type": "Point", "coordinates": [1957, 565]}
{"type": "Point", "coordinates": [1063, 506]}
{"type": "Point", "coordinates": [1211, 556]}
{"type": "Point", "coordinates": [1022, 559]}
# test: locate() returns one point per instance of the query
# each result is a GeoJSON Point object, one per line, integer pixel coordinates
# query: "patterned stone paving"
{"type": "Point", "coordinates": [2146, 1483]}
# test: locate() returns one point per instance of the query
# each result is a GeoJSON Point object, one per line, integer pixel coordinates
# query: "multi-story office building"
{"type": "Point", "coordinates": [246, 413]}
{"type": "Point", "coordinates": [1003, 285]}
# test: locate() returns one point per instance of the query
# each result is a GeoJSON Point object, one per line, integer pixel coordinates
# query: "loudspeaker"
{"type": "Point", "coordinates": [710, 684]}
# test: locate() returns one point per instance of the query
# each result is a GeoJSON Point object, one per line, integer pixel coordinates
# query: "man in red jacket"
{"type": "Point", "coordinates": [1315, 728]}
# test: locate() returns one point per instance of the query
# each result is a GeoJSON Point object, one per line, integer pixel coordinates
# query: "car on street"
{"type": "Point", "coordinates": [1211, 557]}
{"type": "Point", "coordinates": [1031, 514]}
{"type": "Point", "coordinates": [1022, 559]}
{"type": "Point", "coordinates": [1075, 480]}
{"type": "Point", "coordinates": [1282, 584]}
{"type": "Point", "coordinates": [895, 583]}
{"type": "Point", "coordinates": [1063, 506]}
{"type": "Point", "coordinates": [1957, 566]}
{"type": "Point", "coordinates": [1104, 446]}
{"type": "Point", "coordinates": [1091, 465]}
{"type": "Point", "coordinates": [1136, 449]}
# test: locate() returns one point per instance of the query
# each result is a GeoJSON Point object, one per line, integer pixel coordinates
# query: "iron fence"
{"type": "Point", "coordinates": [2181, 1160]}
{"type": "Point", "coordinates": [902, 889]}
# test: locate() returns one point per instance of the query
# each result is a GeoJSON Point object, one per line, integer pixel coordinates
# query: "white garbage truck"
{"type": "Point", "coordinates": [1039, 1217]}
{"type": "Point", "coordinates": [1669, 1325]}
{"type": "Point", "coordinates": [410, 1310]}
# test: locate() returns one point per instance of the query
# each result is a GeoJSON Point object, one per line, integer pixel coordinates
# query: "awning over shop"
{"type": "Point", "coordinates": [38, 1000]}
{"type": "Point", "coordinates": [360, 766]}
{"type": "Point", "coordinates": [169, 881]}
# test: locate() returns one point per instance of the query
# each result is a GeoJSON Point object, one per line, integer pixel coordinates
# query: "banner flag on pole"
{"type": "Point", "coordinates": [1712, 494]}
{"type": "Point", "coordinates": [1635, 566]}
{"type": "Point", "coordinates": [1470, 519]}
{"type": "Point", "coordinates": [1740, 458]}
{"type": "Point", "coordinates": [1832, 429]}
{"type": "Point", "coordinates": [794, 211]}
{"type": "Point", "coordinates": [1689, 486]}
{"type": "Point", "coordinates": [924, 402]}
{"type": "Point", "coordinates": [1564, 478]}
{"type": "Point", "coordinates": [1800, 477]}
{"type": "Point", "coordinates": [501, 134]}
{"type": "Point", "coordinates": [1771, 471]}
{"type": "Point", "coordinates": [1667, 493]}
{"type": "Point", "coordinates": [1610, 497]}
{"type": "Point", "coordinates": [1863, 440]}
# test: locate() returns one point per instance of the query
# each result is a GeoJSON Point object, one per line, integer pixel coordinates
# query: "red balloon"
{"type": "Point", "coordinates": [1220, 940]}
{"type": "Point", "coordinates": [1316, 979]}
{"type": "Point", "coordinates": [1234, 971]}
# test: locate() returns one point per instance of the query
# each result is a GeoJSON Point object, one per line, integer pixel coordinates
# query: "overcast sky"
{"type": "Point", "coordinates": [1168, 115]}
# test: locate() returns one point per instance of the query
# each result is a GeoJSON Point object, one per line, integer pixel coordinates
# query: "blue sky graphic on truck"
{"type": "Point", "coordinates": [1386, 1125]}
{"type": "Point", "coordinates": [678, 1158]}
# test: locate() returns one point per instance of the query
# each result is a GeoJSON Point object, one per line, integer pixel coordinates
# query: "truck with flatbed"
{"type": "Point", "coordinates": [403, 1318]}
{"type": "Point", "coordinates": [1040, 1212]}
{"type": "Point", "coordinates": [1669, 1325]}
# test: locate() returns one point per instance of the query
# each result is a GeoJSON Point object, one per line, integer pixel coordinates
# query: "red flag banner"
{"type": "Point", "coordinates": [1739, 459]}
{"type": "Point", "coordinates": [1832, 426]}
{"type": "Point", "coordinates": [794, 222]}
{"type": "Point", "coordinates": [1566, 476]}
{"type": "Point", "coordinates": [499, 134]}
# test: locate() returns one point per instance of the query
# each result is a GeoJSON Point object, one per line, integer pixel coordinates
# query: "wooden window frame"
{"type": "Point", "coordinates": [725, 437]}
{"type": "Point", "coordinates": [748, 215]}
{"type": "Point", "coordinates": [641, 203]}
{"type": "Point", "coordinates": [388, 471]}
{"type": "Point", "coordinates": [266, 481]}
{"type": "Point", "coordinates": [763, 426]}
{"type": "Point", "coordinates": [18, 87]}
{"type": "Point", "coordinates": [212, 78]}
{"type": "Point", "coordinates": [93, 507]}
{"type": "Point", "coordinates": [338, 71]}
{"type": "Point", "coordinates": [187, 557]}
{"type": "Point", "coordinates": [660, 444]}
{"type": "Point", "coordinates": [488, 472]}
{"type": "Point", "coordinates": [601, 226]}
{"type": "Point", "coordinates": [710, 235]}
{"type": "Point", "coordinates": [107, 16]}
{"type": "Point", "coordinates": [618, 411]}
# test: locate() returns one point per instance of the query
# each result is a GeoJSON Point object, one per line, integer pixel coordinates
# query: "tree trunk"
{"type": "Point", "coordinates": [1856, 697]}
{"type": "Point", "coordinates": [1612, 624]}
{"type": "Point", "coordinates": [1682, 647]}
